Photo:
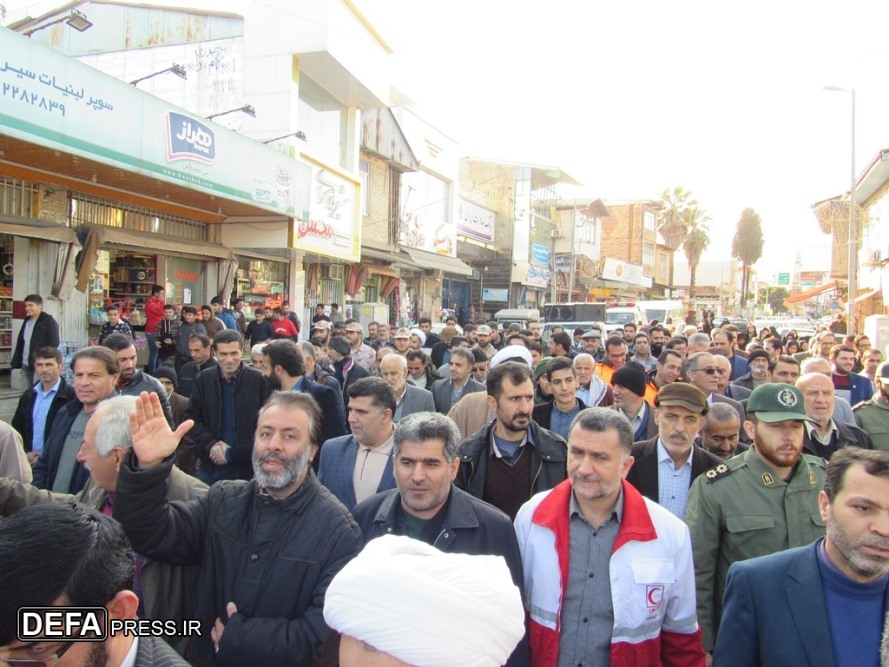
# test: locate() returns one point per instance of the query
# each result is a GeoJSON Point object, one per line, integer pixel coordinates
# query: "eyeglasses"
{"type": "Point", "coordinates": [710, 370]}
{"type": "Point", "coordinates": [45, 662]}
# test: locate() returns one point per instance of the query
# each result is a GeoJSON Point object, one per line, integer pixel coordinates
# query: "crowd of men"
{"type": "Point", "coordinates": [629, 488]}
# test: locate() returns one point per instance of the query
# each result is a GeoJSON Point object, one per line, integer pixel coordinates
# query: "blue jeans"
{"type": "Point", "coordinates": [152, 353]}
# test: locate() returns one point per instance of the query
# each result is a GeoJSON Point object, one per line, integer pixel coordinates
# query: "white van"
{"type": "Point", "coordinates": [663, 311]}
{"type": "Point", "coordinates": [619, 315]}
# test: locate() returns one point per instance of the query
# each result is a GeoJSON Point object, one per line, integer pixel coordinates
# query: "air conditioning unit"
{"type": "Point", "coordinates": [333, 271]}
{"type": "Point", "coordinates": [556, 234]}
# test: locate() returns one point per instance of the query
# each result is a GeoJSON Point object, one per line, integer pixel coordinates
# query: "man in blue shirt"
{"type": "Point", "coordinates": [824, 603]}
{"type": "Point", "coordinates": [39, 404]}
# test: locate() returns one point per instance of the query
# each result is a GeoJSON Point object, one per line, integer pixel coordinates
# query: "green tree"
{"type": "Point", "coordinates": [696, 241]}
{"type": "Point", "coordinates": [747, 246]}
{"type": "Point", "coordinates": [774, 296]}
{"type": "Point", "coordinates": [671, 222]}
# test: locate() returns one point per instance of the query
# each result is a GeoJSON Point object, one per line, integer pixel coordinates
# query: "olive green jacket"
{"type": "Point", "coordinates": [873, 418]}
{"type": "Point", "coordinates": [742, 509]}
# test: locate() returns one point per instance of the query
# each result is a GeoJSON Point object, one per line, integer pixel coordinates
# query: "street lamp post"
{"type": "Point", "coordinates": [853, 227]}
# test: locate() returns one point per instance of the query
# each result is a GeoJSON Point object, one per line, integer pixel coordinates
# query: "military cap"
{"type": "Point", "coordinates": [777, 402]}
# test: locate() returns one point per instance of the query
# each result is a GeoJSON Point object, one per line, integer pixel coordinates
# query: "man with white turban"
{"type": "Point", "coordinates": [402, 602]}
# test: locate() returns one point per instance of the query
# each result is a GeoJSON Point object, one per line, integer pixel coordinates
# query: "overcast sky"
{"type": "Point", "coordinates": [633, 97]}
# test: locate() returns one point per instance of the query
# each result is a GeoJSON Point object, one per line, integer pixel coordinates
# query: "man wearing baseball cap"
{"type": "Point", "coordinates": [362, 353]}
{"type": "Point", "coordinates": [321, 332]}
{"type": "Point", "coordinates": [873, 415]}
{"type": "Point", "coordinates": [759, 502]}
{"type": "Point", "coordinates": [402, 340]}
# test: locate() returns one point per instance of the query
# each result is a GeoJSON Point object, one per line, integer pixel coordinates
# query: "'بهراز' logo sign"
{"type": "Point", "coordinates": [189, 139]}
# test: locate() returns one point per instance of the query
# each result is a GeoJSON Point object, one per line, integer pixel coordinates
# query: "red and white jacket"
{"type": "Point", "coordinates": [652, 581]}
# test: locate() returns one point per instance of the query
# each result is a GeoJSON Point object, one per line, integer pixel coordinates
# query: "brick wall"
{"type": "Point", "coordinates": [375, 225]}
{"type": "Point", "coordinates": [52, 204]}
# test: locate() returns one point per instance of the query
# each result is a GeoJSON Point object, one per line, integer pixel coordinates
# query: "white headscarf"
{"type": "Point", "coordinates": [426, 607]}
{"type": "Point", "coordinates": [419, 334]}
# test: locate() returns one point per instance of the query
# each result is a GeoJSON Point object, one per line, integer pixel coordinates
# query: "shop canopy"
{"type": "Point", "coordinates": [96, 237]}
{"type": "Point", "coordinates": [31, 229]}
{"type": "Point", "coordinates": [815, 291]}
{"type": "Point", "coordinates": [430, 260]}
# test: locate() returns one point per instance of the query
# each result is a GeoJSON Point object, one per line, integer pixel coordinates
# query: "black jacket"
{"type": "Point", "coordinates": [273, 558]}
{"type": "Point", "coordinates": [549, 456]}
{"type": "Point", "coordinates": [45, 334]}
{"type": "Point", "coordinates": [205, 406]}
{"type": "Point", "coordinates": [543, 412]}
{"type": "Point", "coordinates": [23, 420]}
{"type": "Point", "coordinates": [144, 382]}
{"type": "Point", "coordinates": [848, 435]}
{"type": "Point", "coordinates": [188, 373]}
{"type": "Point", "coordinates": [48, 463]}
{"type": "Point", "coordinates": [469, 526]}
{"type": "Point", "coordinates": [643, 474]}
{"type": "Point", "coordinates": [333, 413]}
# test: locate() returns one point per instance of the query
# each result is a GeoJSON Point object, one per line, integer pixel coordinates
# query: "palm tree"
{"type": "Point", "coordinates": [672, 223]}
{"type": "Point", "coordinates": [696, 241]}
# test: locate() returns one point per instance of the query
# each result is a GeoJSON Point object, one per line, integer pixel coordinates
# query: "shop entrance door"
{"type": "Point", "coordinates": [455, 295]}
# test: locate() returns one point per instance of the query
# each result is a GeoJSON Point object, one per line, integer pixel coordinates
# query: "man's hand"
{"type": "Point", "coordinates": [32, 458]}
{"type": "Point", "coordinates": [219, 626]}
{"type": "Point", "coordinates": [153, 441]}
{"type": "Point", "coordinates": [217, 453]}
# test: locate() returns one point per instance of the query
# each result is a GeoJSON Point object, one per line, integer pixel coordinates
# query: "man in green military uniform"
{"type": "Point", "coordinates": [873, 415]}
{"type": "Point", "coordinates": [759, 502]}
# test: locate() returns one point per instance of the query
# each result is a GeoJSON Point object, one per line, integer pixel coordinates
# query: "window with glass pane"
{"type": "Point", "coordinates": [648, 220]}
{"type": "Point", "coordinates": [648, 254]}
{"type": "Point", "coordinates": [323, 120]}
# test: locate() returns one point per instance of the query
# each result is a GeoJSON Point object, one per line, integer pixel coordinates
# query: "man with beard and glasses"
{"type": "Point", "coordinates": [825, 603]}
{"type": "Point", "coordinates": [95, 569]}
{"type": "Point", "coordinates": [759, 502]}
{"type": "Point", "coordinates": [608, 573]}
{"type": "Point", "coordinates": [266, 549]}
{"type": "Point", "coordinates": [512, 458]}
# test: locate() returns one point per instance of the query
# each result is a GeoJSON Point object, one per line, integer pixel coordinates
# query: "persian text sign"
{"type": "Point", "coordinates": [327, 214]}
{"type": "Point", "coordinates": [53, 101]}
{"type": "Point", "coordinates": [474, 221]}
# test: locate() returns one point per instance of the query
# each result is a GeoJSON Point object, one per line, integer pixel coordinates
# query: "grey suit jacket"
{"type": "Point", "coordinates": [415, 400]}
{"type": "Point", "coordinates": [441, 393]}
{"type": "Point", "coordinates": [155, 652]}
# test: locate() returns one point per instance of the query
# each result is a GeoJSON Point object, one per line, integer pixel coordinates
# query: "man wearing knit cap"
{"type": "Point", "coordinates": [668, 463]}
{"type": "Point", "coordinates": [628, 387]}
{"type": "Point", "coordinates": [166, 375]}
{"type": "Point", "coordinates": [462, 610]}
{"type": "Point", "coordinates": [758, 361]}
